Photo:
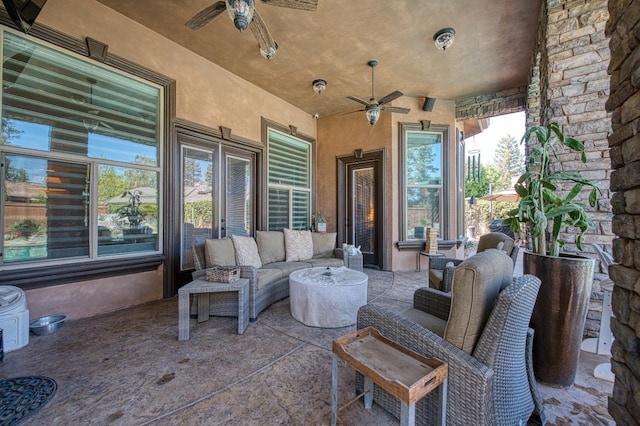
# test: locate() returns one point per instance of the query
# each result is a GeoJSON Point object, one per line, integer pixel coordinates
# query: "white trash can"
{"type": "Point", "coordinates": [14, 318]}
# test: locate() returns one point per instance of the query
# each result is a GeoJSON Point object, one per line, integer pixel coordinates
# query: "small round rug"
{"type": "Point", "coordinates": [21, 397]}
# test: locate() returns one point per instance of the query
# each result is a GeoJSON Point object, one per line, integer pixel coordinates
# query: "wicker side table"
{"type": "Point", "coordinates": [206, 289]}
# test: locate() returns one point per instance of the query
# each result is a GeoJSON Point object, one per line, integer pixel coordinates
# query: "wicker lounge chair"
{"type": "Point", "coordinates": [441, 268]}
{"type": "Point", "coordinates": [491, 381]}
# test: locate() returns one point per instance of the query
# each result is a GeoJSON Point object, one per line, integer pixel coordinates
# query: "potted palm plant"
{"type": "Point", "coordinates": [546, 210]}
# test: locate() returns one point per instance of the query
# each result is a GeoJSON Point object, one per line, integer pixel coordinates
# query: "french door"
{"type": "Point", "coordinates": [218, 194]}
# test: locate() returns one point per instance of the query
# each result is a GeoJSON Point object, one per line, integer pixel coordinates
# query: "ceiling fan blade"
{"type": "Point", "coordinates": [398, 110]}
{"type": "Point", "coordinates": [351, 112]}
{"type": "Point", "coordinates": [360, 101]}
{"type": "Point", "coordinates": [294, 4]}
{"type": "Point", "coordinates": [390, 97]}
{"type": "Point", "coordinates": [205, 16]}
{"type": "Point", "coordinates": [108, 126]}
{"type": "Point", "coordinates": [261, 32]}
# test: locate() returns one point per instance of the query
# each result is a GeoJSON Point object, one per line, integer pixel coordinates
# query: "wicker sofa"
{"type": "Point", "coordinates": [267, 261]}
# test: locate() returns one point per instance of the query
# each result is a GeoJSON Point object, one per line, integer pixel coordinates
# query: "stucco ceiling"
{"type": "Point", "coordinates": [491, 52]}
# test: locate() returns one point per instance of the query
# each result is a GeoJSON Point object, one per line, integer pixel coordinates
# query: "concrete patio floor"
{"type": "Point", "coordinates": [128, 368]}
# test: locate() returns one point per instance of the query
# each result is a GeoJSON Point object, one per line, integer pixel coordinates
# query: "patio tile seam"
{"type": "Point", "coordinates": [393, 280]}
{"type": "Point", "coordinates": [298, 338]}
{"type": "Point", "coordinates": [226, 387]}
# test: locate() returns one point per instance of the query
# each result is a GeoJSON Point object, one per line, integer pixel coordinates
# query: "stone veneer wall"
{"type": "Point", "coordinates": [624, 103]}
{"type": "Point", "coordinates": [490, 105]}
{"type": "Point", "coordinates": [570, 69]}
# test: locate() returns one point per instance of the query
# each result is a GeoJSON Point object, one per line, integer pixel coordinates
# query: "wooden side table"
{"type": "Point", "coordinates": [396, 369]}
{"type": "Point", "coordinates": [203, 289]}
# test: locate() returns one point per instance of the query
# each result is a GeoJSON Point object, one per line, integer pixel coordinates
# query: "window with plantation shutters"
{"type": "Point", "coordinates": [81, 147]}
{"type": "Point", "coordinates": [289, 182]}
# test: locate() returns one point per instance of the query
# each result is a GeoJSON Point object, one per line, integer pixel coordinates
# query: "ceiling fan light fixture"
{"type": "Point", "coordinates": [240, 12]}
{"type": "Point", "coordinates": [319, 85]}
{"type": "Point", "coordinates": [373, 114]}
{"type": "Point", "coordinates": [270, 52]}
{"type": "Point", "coordinates": [444, 38]}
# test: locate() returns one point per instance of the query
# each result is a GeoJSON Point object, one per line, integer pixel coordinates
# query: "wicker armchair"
{"type": "Point", "coordinates": [492, 383]}
{"type": "Point", "coordinates": [441, 268]}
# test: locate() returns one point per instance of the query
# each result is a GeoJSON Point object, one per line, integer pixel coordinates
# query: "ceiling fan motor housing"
{"type": "Point", "coordinates": [241, 11]}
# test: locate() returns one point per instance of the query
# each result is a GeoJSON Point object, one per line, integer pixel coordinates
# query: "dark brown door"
{"type": "Point", "coordinates": [361, 218]}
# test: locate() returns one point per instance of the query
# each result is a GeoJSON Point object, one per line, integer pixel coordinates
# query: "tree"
{"type": "Point", "coordinates": [15, 174]}
{"type": "Point", "coordinates": [192, 172]}
{"type": "Point", "coordinates": [209, 175]}
{"type": "Point", "coordinates": [508, 160]}
{"type": "Point", "coordinates": [137, 178]}
{"type": "Point", "coordinates": [111, 183]}
{"type": "Point", "coordinates": [490, 179]}
{"type": "Point", "coordinates": [9, 132]}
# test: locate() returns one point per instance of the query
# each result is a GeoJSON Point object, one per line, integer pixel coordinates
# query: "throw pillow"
{"type": "Point", "coordinates": [219, 252]}
{"type": "Point", "coordinates": [298, 245]}
{"type": "Point", "coordinates": [246, 251]}
{"type": "Point", "coordinates": [323, 244]}
{"type": "Point", "coordinates": [270, 246]}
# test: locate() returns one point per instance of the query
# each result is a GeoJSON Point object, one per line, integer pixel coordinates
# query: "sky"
{"type": "Point", "coordinates": [510, 124]}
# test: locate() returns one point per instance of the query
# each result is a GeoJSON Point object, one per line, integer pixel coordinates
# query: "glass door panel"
{"type": "Point", "coordinates": [199, 200]}
{"type": "Point", "coordinates": [238, 217]}
{"type": "Point", "coordinates": [363, 211]}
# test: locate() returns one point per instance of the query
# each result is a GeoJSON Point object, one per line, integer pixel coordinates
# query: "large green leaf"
{"type": "Point", "coordinates": [541, 202]}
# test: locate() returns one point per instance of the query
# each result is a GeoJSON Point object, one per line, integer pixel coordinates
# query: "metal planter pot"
{"type": "Point", "coordinates": [559, 314]}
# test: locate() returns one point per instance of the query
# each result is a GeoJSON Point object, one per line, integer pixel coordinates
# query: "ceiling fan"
{"type": "Point", "coordinates": [243, 14]}
{"type": "Point", "coordinates": [374, 106]}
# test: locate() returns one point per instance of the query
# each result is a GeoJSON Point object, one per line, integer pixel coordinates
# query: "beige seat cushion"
{"type": "Point", "coordinates": [267, 276]}
{"type": "Point", "coordinates": [288, 267]}
{"type": "Point", "coordinates": [435, 278]}
{"type": "Point", "coordinates": [475, 286]}
{"type": "Point", "coordinates": [323, 244]}
{"type": "Point", "coordinates": [270, 246]}
{"type": "Point", "coordinates": [430, 322]}
{"type": "Point", "coordinates": [246, 251]}
{"type": "Point", "coordinates": [219, 252]}
{"type": "Point", "coordinates": [298, 245]}
{"type": "Point", "coordinates": [332, 262]}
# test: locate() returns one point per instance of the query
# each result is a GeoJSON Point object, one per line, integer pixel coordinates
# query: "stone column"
{"type": "Point", "coordinates": [623, 28]}
{"type": "Point", "coordinates": [570, 69]}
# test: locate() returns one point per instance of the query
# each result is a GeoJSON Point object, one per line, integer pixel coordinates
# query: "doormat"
{"type": "Point", "coordinates": [22, 397]}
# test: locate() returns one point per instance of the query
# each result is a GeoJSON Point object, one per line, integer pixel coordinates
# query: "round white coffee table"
{"type": "Point", "coordinates": [327, 297]}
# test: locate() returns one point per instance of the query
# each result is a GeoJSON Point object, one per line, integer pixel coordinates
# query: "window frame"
{"type": "Point", "coordinates": [32, 275]}
{"type": "Point", "coordinates": [445, 199]}
{"type": "Point", "coordinates": [267, 126]}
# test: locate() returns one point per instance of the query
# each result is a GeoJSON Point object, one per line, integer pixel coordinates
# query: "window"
{"type": "Point", "coordinates": [289, 182]}
{"type": "Point", "coordinates": [80, 145]}
{"type": "Point", "coordinates": [423, 155]}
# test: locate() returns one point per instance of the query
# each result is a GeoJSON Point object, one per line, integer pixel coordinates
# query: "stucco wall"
{"type": "Point", "coordinates": [341, 134]}
{"type": "Point", "coordinates": [89, 298]}
{"type": "Point", "coordinates": [206, 95]}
